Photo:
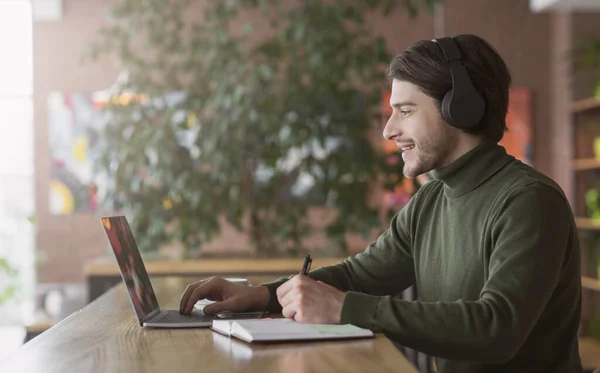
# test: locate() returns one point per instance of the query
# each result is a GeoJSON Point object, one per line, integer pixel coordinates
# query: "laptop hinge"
{"type": "Point", "coordinates": [150, 315]}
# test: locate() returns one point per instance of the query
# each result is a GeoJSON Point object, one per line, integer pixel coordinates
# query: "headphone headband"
{"type": "Point", "coordinates": [449, 48]}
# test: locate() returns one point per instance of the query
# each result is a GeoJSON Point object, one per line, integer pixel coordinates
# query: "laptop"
{"type": "Point", "coordinates": [133, 272]}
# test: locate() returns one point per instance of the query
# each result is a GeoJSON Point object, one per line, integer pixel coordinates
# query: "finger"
{"type": "Point", "coordinates": [285, 287]}
{"type": "Point", "coordinates": [292, 284]}
{"type": "Point", "coordinates": [299, 284]}
{"type": "Point", "coordinates": [295, 294]}
{"type": "Point", "coordinates": [289, 311]}
{"type": "Point", "coordinates": [287, 299]}
{"type": "Point", "coordinates": [187, 293]}
{"type": "Point", "coordinates": [201, 292]}
{"type": "Point", "coordinates": [229, 304]}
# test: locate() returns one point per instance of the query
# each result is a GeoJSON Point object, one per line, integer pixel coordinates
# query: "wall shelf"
{"type": "Point", "coordinates": [585, 115]}
{"type": "Point", "coordinates": [590, 283]}
{"type": "Point", "coordinates": [587, 223]}
{"type": "Point", "coordinates": [585, 164]}
{"type": "Point", "coordinates": [585, 104]}
{"type": "Point", "coordinates": [589, 351]}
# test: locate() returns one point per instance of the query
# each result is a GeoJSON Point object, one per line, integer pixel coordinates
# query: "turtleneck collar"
{"type": "Point", "coordinates": [472, 168]}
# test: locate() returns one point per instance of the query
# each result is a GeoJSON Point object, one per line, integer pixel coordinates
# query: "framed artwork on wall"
{"type": "Point", "coordinates": [518, 140]}
{"type": "Point", "coordinates": [74, 125]}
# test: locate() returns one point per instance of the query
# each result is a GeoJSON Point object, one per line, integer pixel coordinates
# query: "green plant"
{"type": "Point", "coordinates": [592, 203]}
{"type": "Point", "coordinates": [220, 120]}
{"type": "Point", "coordinates": [588, 58]}
{"type": "Point", "coordinates": [591, 243]}
{"type": "Point", "coordinates": [9, 275]}
{"type": "Point", "coordinates": [13, 281]}
{"type": "Point", "coordinates": [592, 237]}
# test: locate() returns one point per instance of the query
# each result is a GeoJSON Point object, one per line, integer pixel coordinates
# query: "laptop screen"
{"type": "Point", "coordinates": [131, 265]}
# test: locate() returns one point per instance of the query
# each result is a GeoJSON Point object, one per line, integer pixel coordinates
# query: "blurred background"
{"type": "Point", "coordinates": [236, 132]}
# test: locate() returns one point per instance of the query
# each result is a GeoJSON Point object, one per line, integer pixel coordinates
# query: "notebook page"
{"type": "Point", "coordinates": [285, 329]}
{"type": "Point", "coordinates": [222, 326]}
{"type": "Point", "coordinates": [274, 326]}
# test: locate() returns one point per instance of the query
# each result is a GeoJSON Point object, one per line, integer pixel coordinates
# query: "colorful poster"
{"type": "Point", "coordinates": [518, 140]}
{"type": "Point", "coordinates": [76, 126]}
{"type": "Point", "coordinates": [75, 123]}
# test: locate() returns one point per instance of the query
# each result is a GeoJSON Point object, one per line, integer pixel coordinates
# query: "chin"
{"type": "Point", "coordinates": [413, 172]}
{"type": "Point", "coordinates": [409, 173]}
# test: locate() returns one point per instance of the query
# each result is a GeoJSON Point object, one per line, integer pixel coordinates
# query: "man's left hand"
{"type": "Point", "coordinates": [311, 302]}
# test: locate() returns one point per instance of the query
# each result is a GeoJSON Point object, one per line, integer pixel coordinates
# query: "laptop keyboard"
{"type": "Point", "coordinates": [173, 316]}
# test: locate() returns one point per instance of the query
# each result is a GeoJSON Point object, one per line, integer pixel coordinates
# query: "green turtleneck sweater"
{"type": "Point", "coordinates": [492, 247]}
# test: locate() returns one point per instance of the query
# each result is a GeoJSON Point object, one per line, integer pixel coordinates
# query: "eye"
{"type": "Point", "coordinates": [404, 112]}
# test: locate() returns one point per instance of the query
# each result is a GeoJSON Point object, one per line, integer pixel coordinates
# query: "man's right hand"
{"type": "Point", "coordinates": [228, 296]}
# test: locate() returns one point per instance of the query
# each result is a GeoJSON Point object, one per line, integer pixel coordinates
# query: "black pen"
{"type": "Point", "coordinates": [306, 265]}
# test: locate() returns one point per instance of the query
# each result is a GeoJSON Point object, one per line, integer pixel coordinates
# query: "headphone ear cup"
{"type": "Point", "coordinates": [446, 102]}
{"type": "Point", "coordinates": [463, 111]}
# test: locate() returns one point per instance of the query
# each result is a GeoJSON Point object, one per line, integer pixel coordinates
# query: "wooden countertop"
{"type": "Point", "coordinates": [106, 337]}
{"type": "Point", "coordinates": [108, 266]}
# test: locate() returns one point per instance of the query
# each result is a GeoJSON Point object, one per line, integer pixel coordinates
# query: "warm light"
{"type": "Point", "coordinates": [167, 204]}
{"type": "Point", "coordinates": [106, 223]}
{"type": "Point", "coordinates": [127, 98]}
{"type": "Point", "coordinates": [16, 42]}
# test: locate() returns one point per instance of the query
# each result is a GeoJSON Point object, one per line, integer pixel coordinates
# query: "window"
{"type": "Point", "coordinates": [17, 239]}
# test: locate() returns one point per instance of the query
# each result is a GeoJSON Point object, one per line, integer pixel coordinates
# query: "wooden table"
{"type": "Point", "coordinates": [105, 337]}
{"type": "Point", "coordinates": [103, 273]}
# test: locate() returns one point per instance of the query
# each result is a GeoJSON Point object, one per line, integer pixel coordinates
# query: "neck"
{"type": "Point", "coordinates": [465, 143]}
{"type": "Point", "coordinates": [472, 168]}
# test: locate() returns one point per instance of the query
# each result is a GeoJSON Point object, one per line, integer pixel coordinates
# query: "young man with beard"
{"type": "Point", "coordinates": [490, 243]}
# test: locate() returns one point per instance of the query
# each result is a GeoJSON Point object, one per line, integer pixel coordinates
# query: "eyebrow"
{"type": "Point", "coordinates": [403, 103]}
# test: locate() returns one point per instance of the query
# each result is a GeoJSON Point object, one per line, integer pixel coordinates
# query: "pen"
{"type": "Point", "coordinates": [306, 265]}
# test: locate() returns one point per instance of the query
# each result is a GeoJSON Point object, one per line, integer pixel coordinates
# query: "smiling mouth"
{"type": "Point", "coordinates": [405, 148]}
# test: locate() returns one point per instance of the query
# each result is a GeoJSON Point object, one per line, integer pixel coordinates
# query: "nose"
{"type": "Point", "coordinates": [392, 128]}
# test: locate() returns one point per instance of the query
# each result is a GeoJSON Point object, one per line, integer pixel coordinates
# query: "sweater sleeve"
{"type": "Point", "coordinates": [531, 233]}
{"type": "Point", "coordinates": [385, 268]}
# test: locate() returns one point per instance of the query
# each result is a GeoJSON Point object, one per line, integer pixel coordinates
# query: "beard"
{"type": "Point", "coordinates": [429, 153]}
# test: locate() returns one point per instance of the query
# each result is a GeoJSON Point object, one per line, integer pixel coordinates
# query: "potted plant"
{"type": "Point", "coordinates": [210, 121]}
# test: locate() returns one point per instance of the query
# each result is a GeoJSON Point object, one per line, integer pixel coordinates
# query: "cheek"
{"type": "Point", "coordinates": [416, 129]}
{"type": "Point", "coordinates": [429, 129]}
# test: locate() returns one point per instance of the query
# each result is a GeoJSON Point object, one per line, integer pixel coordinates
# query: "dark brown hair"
{"type": "Point", "coordinates": [423, 65]}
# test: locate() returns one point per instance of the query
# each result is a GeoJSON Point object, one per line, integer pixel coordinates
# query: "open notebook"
{"type": "Point", "coordinates": [265, 330]}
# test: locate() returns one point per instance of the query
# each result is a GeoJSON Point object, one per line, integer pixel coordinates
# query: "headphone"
{"type": "Point", "coordinates": [462, 106]}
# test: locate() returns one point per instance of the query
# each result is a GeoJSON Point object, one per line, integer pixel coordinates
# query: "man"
{"type": "Point", "coordinates": [490, 243]}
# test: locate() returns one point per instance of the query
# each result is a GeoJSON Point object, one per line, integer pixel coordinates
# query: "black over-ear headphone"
{"type": "Point", "coordinates": [462, 106]}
